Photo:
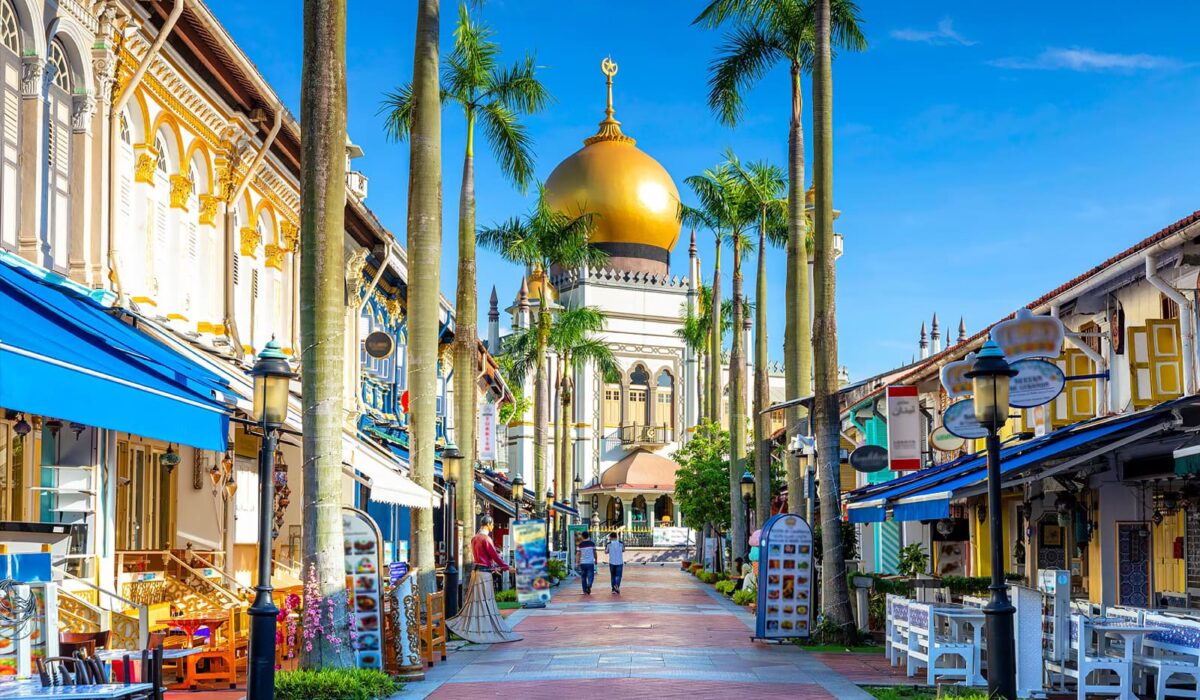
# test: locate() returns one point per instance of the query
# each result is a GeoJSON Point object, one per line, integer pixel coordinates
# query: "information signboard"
{"type": "Point", "coordinates": [487, 432]}
{"type": "Point", "coordinates": [904, 428]}
{"type": "Point", "coordinates": [533, 578]}
{"type": "Point", "coordinates": [785, 578]}
{"type": "Point", "coordinates": [362, 545]}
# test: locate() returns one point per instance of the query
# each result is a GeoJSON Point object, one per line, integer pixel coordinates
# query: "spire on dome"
{"type": "Point", "coordinates": [523, 294]}
{"type": "Point", "coordinates": [610, 128]}
{"type": "Point", "coordinates": [692, 248]}
{"type": "Point", "coordinates": [494, 306]}
{"type": "Point", "coordinates": [924, 344]}
{"type": "Point", "coordinates": [962, 330]}
{"type": "Point", "coordinates": [935, 334]}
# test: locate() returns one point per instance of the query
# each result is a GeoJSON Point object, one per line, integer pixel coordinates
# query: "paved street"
{"type": "Point", "coordinates": [665, 636]}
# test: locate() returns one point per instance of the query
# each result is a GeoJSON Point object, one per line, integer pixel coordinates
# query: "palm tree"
{"type": "Point", "coordinates": [322, 228]}
{"type": "Point", "coordinates": [769, 32]}
{"type": "Point", "coordinates": [694, 332]}
{"type": "Point", "coordinates": [766, 185]}
{"type": "Point", "coordinates": [542, 240]}
{"type": "Point", "coordinates": [835, 591]}
{"type": "Point", "coordinates": [424, 275]}
{"type": "Point", "coordinates": [496, 97]}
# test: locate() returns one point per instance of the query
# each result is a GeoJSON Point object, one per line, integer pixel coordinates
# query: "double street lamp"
{"type": "Point", "coordinates": [272, 379]}
{"type": "Point", "coordinates": [747, 494]}
{"type": "Point", "coordinates": [989, 377]}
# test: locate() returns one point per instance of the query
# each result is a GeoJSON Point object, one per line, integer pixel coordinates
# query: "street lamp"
{"type": "Point", "coordinates": [549, 508]}
{"type": "Point", "coordinates": [747, 494]}
{"type": "Point", "coordinates": [272, 379]}
{"type": "Point", "coordinates": [518, 493]}
{"type": "Point", "coordinates": [989, 378]}
{"type": "Point", "coordinates": [452, 456]}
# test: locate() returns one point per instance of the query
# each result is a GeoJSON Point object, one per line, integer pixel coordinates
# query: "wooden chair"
{"type": "Point", "coordinates": [219, 657]}
{"type": "Point", "coordinates": [433, 629]}
{"type": "Point", "coordinates": [60, 671]}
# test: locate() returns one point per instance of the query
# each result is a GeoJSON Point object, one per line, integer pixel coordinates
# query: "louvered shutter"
{"type": "Point", "coordinates": [162, 254]}
{"type": "Point", "coordinates": [1166, 358]}
{"type": "Point", "coordinates": [10, 146]}
{"type": "Point", "coordinates": [1141, 382]}
{"type": "Point", "coordinates": [191, 239]}
{"type": "Point", "coordinates": [1078, 400]}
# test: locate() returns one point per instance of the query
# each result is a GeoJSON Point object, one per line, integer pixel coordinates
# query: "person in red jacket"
{"type": "Point", "coordinates": [479, 620]}
{"type": "Point", "coordinates": [484, 550]}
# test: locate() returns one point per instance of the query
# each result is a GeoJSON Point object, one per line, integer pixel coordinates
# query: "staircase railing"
{"type": "Point", "coordinates": [235, 585]}
{"type": "Point", "coordinates": [181, 577]}
{"type": "Point", "coordinates": [128, 631]}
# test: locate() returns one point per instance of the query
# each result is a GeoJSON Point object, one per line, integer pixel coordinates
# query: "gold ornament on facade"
{"type": "Point", "coordinates": [181, 191]}
{"type": "Point", "coordinates": [290, 233]}
{"type": "Point", "coordinates": [143, 168]}
{"type": "Point", "coordinates": [208, 209]}
{"type": "Point", "coordinates": [250, 240]}
{"type": "Point", "coordinates": [274, 256]}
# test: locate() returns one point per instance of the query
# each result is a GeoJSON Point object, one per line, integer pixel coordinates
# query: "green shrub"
{"type": "Point", "coordinates": [696, 569]}
{"type": "Point", "coordinates": [744, 597]}
{"type": "Point", "coordinates": [557, 568]}
{"type": "Point", "coordinates": [334, 684]}
{"type": "Point", "coordinates": [509, 596]}
{"type": "Point", "coordinates": [726, 587]}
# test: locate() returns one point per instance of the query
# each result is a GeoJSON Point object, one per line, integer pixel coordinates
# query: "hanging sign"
{"type": "Point", "coordinates": [487, 432]}
{"type": "Point", "coordinates": [954, 377]}
{"type": "Point", "coordinates": [869, 458]}
{"type": "Point", "coordinates": [1028, 335]}
{"type": "Point", "coordinates": [959, 420]}
{"type": "Point", "coordinates": [785, 574]}
{"type": "Point", "coordinates": [379, 345]}
{"type": "Point", "coordinates": [904, 428]}
{"type": "Point", "coordinates": [362, 547]}
{"type": "Point", "coordinates": [1036, 383]}
{"type": "Point", "coordinates": [942, 439]}
{"type": "Point", "coordinates": [533, 578]}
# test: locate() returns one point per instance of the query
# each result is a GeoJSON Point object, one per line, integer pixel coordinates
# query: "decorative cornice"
{"type": "Point", "coordinates": [181, 191]}
{"type": "Point", "coordinates": [274, 256]}
{"type": "Point", "coordinates": [289, 233]}
{"type": "Point", "coordinates": [208, 209]}
{"type": "Point", "coordinates": [250, 238]}
{"type": "Point", "coordinates": [144, 164]}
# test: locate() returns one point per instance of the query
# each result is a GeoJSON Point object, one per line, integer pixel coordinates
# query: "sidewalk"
{"type": "Point", "coordinates": [665, 636]}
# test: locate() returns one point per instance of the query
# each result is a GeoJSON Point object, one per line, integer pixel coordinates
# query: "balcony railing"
{"type": "Point", "coordinates": [646, 435]}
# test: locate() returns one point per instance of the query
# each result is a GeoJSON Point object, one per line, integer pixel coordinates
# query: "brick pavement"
{"type": "Point", "coordinates": [665, 636]}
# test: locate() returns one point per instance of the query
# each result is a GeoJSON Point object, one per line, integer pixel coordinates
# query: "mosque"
{"type": "Point", "coordinates": [625, 427]}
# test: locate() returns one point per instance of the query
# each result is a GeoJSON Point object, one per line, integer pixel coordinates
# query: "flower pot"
{"type": "Point", "coordinates": [685, 565]}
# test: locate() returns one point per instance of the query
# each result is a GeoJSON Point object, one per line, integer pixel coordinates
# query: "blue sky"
{"type": "Point", "coordinates": [984, 152]}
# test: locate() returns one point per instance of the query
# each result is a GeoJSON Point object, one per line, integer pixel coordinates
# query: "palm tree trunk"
{"type": "Point", "coordinates": [835, 593]}
{"type": "Point", "coordinates": [568, 469]}
{"type": "Point", "coordinates": [714, 340]}
{"type": "Point", "coordinates": [322, 308]}
{"type": "Point", "coordinates": [466, 353]}
{"type": "Point", "coordinates": [701, 379]}
{"type": "Point", "coordinates": [762, 387]}
{"type": "Point", "coordinates": [557, 484]}
{"type": "Point", "coordinates": [797, 341]}
{"type": "Point", "coordinates": [540, 409]}
{"type": "Point", "coordinates": [424, 266]}
{"type": "Point", "coordinates": [737, 409]}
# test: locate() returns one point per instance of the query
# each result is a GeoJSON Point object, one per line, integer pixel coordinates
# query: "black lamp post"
{"type": "Point", "coordinates": [747, 494]}
{"type": "Point", "coordinates": [989, 377]}
{"type": "Point", "coordinates": [575, 493]}
{"type": "Point", "coordinates": [452, 456]}
{"type": "Point", "coordinates": [549, 509]}
{"type": "Point", "coordinates": [272, 377]}
{"type": "Point", "coordinates": [518, 493]}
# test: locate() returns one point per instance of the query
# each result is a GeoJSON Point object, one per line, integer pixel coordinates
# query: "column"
{"type": "Point", "coordinates": [627, 509]}
{"type": "Point", "coordinates": [33, 137]}
{"type": "Point", "coordinates": [82, 251]}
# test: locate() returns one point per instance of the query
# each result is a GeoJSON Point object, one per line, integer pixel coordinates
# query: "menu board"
{"type": "Point", "coordinates": [533, 579]}
{"type": "Point", "coordinates": [785, 578]}
{"type": "Point", "coordinates": [362, 548]}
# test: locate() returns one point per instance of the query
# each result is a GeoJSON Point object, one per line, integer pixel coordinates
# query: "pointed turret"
{"type": "Point", "coordinates": [523, 295]}
{"type": "Point", "coordinates": [924, 344]}
{"type": "Point", "coordinates": [935, 335]}
{"type": "Point", "coordinates": [493, 306]}
{"type": "Point", "coordinates": [692, 248]}
{"type": "Point", "coordinates": [962, 330]}
{"type": "Point", "coordinates": [493, 341]}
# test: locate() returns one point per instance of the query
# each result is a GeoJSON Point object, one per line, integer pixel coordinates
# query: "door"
{"type": "Point", "coordinates": [1133, 564]}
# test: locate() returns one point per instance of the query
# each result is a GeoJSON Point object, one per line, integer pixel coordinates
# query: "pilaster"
{"type": "Point", "coordinates": [83, 189]}
{"type": "Point", "coordinates": [33, 137]}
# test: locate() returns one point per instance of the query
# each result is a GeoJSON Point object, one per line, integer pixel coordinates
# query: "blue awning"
{"type": "Point", "coordinates": [64, 355]}
{"type": "Point", "coordinates": [495, 499]}
{"type": "Point", "coordinates": [564, 508]}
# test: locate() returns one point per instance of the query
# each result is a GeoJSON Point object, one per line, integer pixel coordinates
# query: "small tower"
{"type": "Point", "coordinates": [962, 330]}
{"type": "Point", "coordinates": [493, 342]}
{"type": "Point", "coordinates": [522, 319]}
{"type": "Point", "coordinates": [935, 335]}
{"type": "Point", "coordinates": [924, 344]}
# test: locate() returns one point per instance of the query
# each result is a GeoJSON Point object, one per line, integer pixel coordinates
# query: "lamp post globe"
{"type": "Point", "coordinates": [747, 484]}
{"type": "Point", "coordinates": [272, 381]}
{"type": "Point", "coordinates": [989, 377]}
{"type": "Point", "coordinates": [518, 493]}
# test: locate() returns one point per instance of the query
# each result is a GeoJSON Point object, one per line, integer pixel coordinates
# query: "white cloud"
{"type": "Point", "coordinates": [944, 34]}
{"type": "Point", "coordinates": [1085, 60]}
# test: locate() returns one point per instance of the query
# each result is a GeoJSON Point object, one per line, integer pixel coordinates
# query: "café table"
{"type": "Point", "coordinates": [117, 656]}
{"type": "Point", "coordinates": [34, 690]}
{"type": "Point", "coordinates": [961, 615]}
{"type": "Point", "coordinates": [1129, 632]}
{"type": "Point", "coordinates": [191, 625]}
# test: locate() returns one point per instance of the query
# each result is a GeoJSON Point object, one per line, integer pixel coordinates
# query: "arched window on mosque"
{"type": "Point", "coordinates": [664, 401]}
{"type": "Point", "coordinates": [58, 156]}
{"type": "Point", "coordinates": [612, 402]}
{"type": "Point", "coordinates": [10, 124]}
{"type": "Point", "coordinates": [639, 392]}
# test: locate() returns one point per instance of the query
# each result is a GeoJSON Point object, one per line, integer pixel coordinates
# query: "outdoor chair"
{"type": "Point", "coordinates": [1172, 651]}
{"type": "Point", "coordinates": [1091, 670]}
{"type": "Point", "coordinates": [926, 646]}
{"type": "Point", "coordinates": [219, 658]}
{"type": "Point", "coordinates": [59, 671]}
{"type": "Point", "coordinates": [895, 639]}
{"type": "Point", "coordinates": [433, 631]}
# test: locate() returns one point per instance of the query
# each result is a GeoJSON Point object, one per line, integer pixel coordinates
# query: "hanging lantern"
{"type": "Point", "coordinates": [1170, 501]}
{"type": "Point", "coordinates": [22, 427]}
{"type": "Point", "coordinates": [1157, 518]}
{"type": "Point", "coordinates": [77, 428]}
{"type": "Point", "coordinates": [230, 487]}
{"type": "Point", "coordinates": [981, 514]}
{"type": "Point", "coordinates": [216, 475]}
{"type": "Point", "coordinates": [1027, 511]}
{"type": "Point", "coordinates": [54, 425]}
{"type": "Point", "coordinates": [945, 527]}
{"type": "Point", "coordinates": [169, 459]}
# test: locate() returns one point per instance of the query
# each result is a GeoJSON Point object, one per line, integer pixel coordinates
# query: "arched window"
{"type": "Point", "coordinates": [639, 392]}
{"type": "Point", "coordinates": [612, 402]}
{"type": "Point", "coordinates": [10, 124]}
{"type": "Point", "coordinates": [664, 401]}
{"type": "Point", "coordinates": [58, 157]}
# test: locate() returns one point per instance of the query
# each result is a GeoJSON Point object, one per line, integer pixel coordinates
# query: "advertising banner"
{"type": "Point", "coordinates": [671, 536]}
{"type": "Point", "coordinates": [533, 579]}
{"type": "Point", "coordinates": [487, 432]}
{"type": "Point", "coordinates": [362, 545]}
{"type": "Point", "coordinates": [959, 420]}
{"type": "Point", "coordinates": [785, 578]}
{"type": "Point", "coordinates": [710, 553]}
{"type": "Point", "coordinates": [1037, 382]}
{"type": "Point", "coordinates": [904, 428]}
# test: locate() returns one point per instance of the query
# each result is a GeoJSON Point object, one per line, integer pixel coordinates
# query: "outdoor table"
{"type": "Point", "coordinates": [960, 615]}
{"type": "Point", "coordinates": [34, 690]}
{"type": "Point", "coordinates": [190, 625]}
{"type": "Point", "coordinates": [1127, 631]}
{"type": "Point", "coordinates": [117, 656]}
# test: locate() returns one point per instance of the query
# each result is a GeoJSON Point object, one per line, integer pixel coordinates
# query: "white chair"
{"type": "Point", "coordinates": [1086, 660]}
{"type": "Point", "coordinates": [1173, 650]}
{"type": "Point", "coordinates": [926, 646]}
{"type": "Point", "coordinates": [895, 642]}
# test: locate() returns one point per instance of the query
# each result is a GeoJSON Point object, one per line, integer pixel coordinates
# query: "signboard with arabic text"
{"type": "Point", "coordinates": [904, 427]}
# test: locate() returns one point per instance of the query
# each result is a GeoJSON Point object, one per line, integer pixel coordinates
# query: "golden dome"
{"type": "Point", "coordinates": [633, 197]}
{"type": "Point", "coordinates": [538, 284]}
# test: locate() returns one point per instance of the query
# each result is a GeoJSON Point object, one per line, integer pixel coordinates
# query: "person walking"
{"type": "Point", "coordinates": [585, 561]}
{"type": "Point", "coordinates": [616, 560]}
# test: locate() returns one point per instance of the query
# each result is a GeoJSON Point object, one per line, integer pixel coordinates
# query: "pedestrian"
{"type": "Point", "coordinates": [616, 560]}
{"type": "Point", "coordinates": [737, 571]}
{"type": "Point", "coordinates": [585, 561]}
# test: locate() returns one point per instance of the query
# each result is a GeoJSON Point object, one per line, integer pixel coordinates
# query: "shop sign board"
{"type": "Point", "coordinates": [942, 439]}
{"type": "Point", "coordinates": [904, 427]}
{"type": "Point", "coordinates": [959, 420]}
{"type": "Point", "coordinates": [1027, 335]}
{"type": "Point", "coordinates": [379, 345]}
{"type": "Point", "coordinates": [362, 547]}
{"type": "Point", "coordinates": [869, 458]}
{"type": "Point", "coordinates": [671, 536]}
{"type": "Point", "coordinates": [531, 553]}
{"type": "Point", "coordinates": [710, 553]}
{"type": "Point", "coordinates": [785, 578]}
{"type": "Point", "coordinates": [954, 377]}
{"type": "Point", "coordinates": [487, 432]}
{"type": "Point", "coordinates": [1036, 383]}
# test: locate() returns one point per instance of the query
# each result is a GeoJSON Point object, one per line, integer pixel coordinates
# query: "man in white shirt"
{"type": "Point", "coordinates": [616, 560]}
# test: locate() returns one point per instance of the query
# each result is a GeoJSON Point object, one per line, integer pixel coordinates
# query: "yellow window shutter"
{"type": "Point", "coordinates": [1137, 349]}
{"type": "Point", "coordinates": [1166, 358]}
{"type": "Point", "coordinates": [1080, 393]}
{"type": "Point", "coordinates": [849, 478]}
{"type": "Point", "coordinates": [1059, 409]}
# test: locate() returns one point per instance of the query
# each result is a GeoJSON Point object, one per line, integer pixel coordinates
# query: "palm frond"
{"type": "Point", "coordinates": [744, 58]}
{"type": "Point", "coordinates": [510, 143]}
{"type": "Point", "coordinates": [519, 355]}
{"type": "Point", "coordinates": [597, 352]}
{"type": "Point", "coordinates": [518, 87]}
{"type": "Point", "coordinates": [397, 108]}
{"type": "Point", "coordinates": [718, 12]}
